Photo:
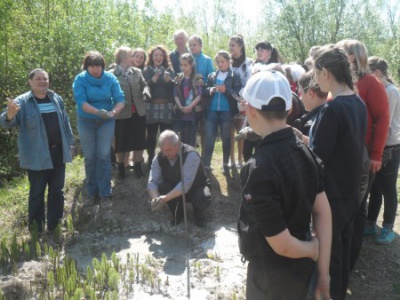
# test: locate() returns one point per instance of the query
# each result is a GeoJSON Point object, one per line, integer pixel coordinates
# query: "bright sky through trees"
{"type": "Point", "coordinates": [249, 9]}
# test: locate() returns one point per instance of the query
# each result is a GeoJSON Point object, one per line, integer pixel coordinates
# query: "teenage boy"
{"type": "Point", "coordinates": [282, 193]}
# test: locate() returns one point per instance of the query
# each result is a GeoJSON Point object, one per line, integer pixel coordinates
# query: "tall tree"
{"type": "Point", "coordinates": [296, 25]}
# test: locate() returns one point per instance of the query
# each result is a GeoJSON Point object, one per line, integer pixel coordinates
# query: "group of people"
{"type": "Point", "coordinates": [316, 161]}
{"type": "Point", "coordinates": [352, 125]}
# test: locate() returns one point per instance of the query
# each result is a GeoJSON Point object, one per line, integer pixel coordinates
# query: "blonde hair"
{"type": "Point", "coordinates": [360, 52]}
{"type": "Point", "coordinates": [121, 53]}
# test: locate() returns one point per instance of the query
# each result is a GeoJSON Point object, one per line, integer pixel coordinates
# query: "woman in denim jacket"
{"type": "Point", "coordinates": [45, 143]}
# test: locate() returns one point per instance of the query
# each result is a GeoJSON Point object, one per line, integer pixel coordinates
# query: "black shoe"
{"type": "Point", "coordinates": [121, 170]}
{"type": "Point", "coordinates": [225, 170]}
{"type": "Point", "coordinates": [138, 169]}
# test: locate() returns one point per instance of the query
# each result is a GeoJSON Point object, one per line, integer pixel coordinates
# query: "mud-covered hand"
{"type": "Point", "coordinates": [157, 203]}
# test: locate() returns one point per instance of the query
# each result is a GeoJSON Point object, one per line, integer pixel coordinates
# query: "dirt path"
{"type": "Point", "coordinates": [216, 271]}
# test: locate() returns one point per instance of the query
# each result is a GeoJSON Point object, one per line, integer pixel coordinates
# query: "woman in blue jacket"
{"type": "Point", "coordinates": [99, 99]}
{"type": "Point", "coordinates": [45, 143]}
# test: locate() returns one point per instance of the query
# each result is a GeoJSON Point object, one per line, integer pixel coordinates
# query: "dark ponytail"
{"type": "Point", "coordinates": [240, 41]}
{"type": "Point", "coordinates": [377, 63]}
{"type": "Point", "coordinates": [275, 57]}
{"type": "Point", "coordinates": [335, 60]}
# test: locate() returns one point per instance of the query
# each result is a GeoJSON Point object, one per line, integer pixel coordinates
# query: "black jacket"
{"type": "Point", "coordinates": [279, 185]}
{"type": "Point", "coordinates": [338, 138]}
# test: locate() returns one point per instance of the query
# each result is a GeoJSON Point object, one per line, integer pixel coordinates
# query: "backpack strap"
{"type": "Point", "coordinates": [319, 164]}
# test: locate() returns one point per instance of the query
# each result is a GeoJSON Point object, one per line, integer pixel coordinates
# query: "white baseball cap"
{"type": "Point", "coordinates": [264, 86]}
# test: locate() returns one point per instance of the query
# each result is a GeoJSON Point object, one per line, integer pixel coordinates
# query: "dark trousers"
{"type": "Point", "coordinates": [39, 180]}
{"type": "Point", "coordinates": [385, 185]}
{"type": "Point", "coordinates": [199, 196]}
{"type": "Point", "coordinates": [151, 140]}
{"type": "Point", "coordinates": [343, 214]}
{"type": "Point", "coordinates": [288, 279]}
{"type": "Point", "coordinates": [188, 130]}
{"type": "Point", "coordinates": [359, 224]}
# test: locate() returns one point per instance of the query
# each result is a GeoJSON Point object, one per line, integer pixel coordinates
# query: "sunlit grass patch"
{"type": "Point", "coordinates": [14, 206]}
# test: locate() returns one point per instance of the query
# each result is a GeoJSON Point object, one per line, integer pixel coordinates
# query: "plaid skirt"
{"type": "Point", "coordinates": [159, 113]}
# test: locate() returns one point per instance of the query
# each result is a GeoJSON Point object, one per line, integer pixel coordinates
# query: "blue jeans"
{"type": "Point", "coordinates": [213, 120]}
{"type": "Point", "coordinates": [188, 130]}
{"type": "Point", "coordinates": [96, 137]}
{"type": "Point", "coordinates": [38, 181]}
{"type": "Point", "coordinates": [385, 186]}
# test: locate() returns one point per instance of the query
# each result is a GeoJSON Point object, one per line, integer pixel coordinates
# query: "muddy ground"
{"type": "Point", "coordinates": [200, 263]}
{"type": "Point", "coordinates": [210, 254]}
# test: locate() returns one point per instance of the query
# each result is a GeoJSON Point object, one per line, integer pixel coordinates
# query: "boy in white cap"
{"type": "Point", "coordinates": [283, 193]}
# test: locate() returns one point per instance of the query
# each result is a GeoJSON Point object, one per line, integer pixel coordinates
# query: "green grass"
{"type": "Point", "coordinates": [14, 194]}
{"type": "Point", "coordinates": [14, 206]}
{"type": "Point", "coordinates": [14, 216]}
{"type": "Point", "coordinates": [14, 199]}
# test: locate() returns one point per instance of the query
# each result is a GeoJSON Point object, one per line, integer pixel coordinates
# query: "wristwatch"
{"type": "Point", "coordinates": [115, 113]}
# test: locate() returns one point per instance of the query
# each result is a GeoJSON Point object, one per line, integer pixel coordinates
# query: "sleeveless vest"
{"type": "Point", "coordinates": [173, 173]}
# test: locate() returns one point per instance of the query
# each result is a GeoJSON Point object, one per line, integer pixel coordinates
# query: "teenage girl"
{"type": "Point", "coordinates": [204, 66]}
{"type": "Point", "coordinates": [384, 184]}
{"type": "Point", "coordinates": [220, 108]}
{"type": "Point", "coordinates": [267, 53]}
{"type": "Point", "coordinates": [337, 137]}
{"type": "Point", "coordinates": [187, 95]}
{"type": "Point", "coordinates": [139, 58]}
{"type": "Point", "coordinates": [373, 93]}
{"type": "Point", "coordinates": [241, 65]}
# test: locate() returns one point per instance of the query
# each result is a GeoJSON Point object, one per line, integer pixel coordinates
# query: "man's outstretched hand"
{"type": "Point", "coordinates": [157, 204]}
